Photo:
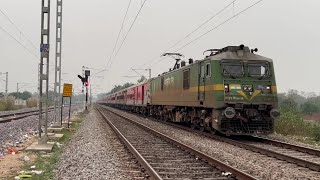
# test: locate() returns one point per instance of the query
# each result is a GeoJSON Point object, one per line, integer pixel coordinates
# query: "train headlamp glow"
{"type": "Point", "coordinates": [268, 89]}
{"type": "Point", "coordinates": [226, 88]}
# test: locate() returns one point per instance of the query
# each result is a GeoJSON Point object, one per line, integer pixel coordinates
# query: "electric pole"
{"type": "Point", "coordinates": [44, 76]}
{"type": "Point", "coordinates": [90, 93]}
{"type": "Point", "coordinates": [17, 90]}
{"type": "Point", "coordinates": [7, 83]}
{"type": "Point", "coordinates": [57, 75]}
{"type": "Point", "coordinates": [6, 90]}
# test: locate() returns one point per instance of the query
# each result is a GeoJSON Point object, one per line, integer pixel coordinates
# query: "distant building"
{"type": "Point", "coordinates": [20, 102]}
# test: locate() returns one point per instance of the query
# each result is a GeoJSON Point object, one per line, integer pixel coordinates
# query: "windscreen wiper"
{"type": "Point", "coordinates": [229, 73]}
{"type": "Point", "coordinates": [264, 75]}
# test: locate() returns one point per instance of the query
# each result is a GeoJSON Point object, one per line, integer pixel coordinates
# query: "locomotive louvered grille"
{"type": "Point", "coordinates": [252, 127]}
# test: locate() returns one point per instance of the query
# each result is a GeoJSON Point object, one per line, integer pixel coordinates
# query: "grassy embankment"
{"type": "Point", "coordinates": [291, 123]}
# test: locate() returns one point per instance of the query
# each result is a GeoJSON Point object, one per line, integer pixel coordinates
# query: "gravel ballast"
{"type": "Point", "coordinates": [258, 165]}
{"type": "Point", "coordinates": [95, 152]}
{"type": "Point", "coordinates": [16, 132]}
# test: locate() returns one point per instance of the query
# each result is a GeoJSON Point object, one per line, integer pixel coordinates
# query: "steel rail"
{"type": "Point", "coordinates": [18, 113]}
{"type": "Point", "coordinates": [153, 174]}
{"type": "Point", "coordinates": [286, 145]}
{"type": "Point", "coordinates": [270, 153]}
{"type": "Point", "coordinates": [16, 116]}
{"type": "Point", "coordinates": [218, 164]}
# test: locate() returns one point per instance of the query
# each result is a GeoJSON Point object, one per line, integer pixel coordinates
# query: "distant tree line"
{"type": "Point", "coordinates": [306, 103]}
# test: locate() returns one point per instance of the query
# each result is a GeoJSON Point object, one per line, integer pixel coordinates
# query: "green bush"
{"type": "Point", "coordinates": [7, 104]}
{"type": "Point", "coordinates": [316, 133]}
{"type": "Point", "coordinates": [291, 122]}
{"type": "Point", "coordinates": [32, 102]}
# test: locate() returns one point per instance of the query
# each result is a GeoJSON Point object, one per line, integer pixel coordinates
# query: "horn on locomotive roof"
{"type": "Point", "coordinates": [175, 56]}
{"type": "Point", "coordinates": [254, 50]}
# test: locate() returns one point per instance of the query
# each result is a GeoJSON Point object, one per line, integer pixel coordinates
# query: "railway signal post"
{"type": "Point", "coordinates": [85, 82]}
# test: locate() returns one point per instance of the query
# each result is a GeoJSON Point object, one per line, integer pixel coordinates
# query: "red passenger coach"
{"type": "Point", "coordinates": [135, 98]}
{"type": "Point", "coordinates": [121, 97]}
{"type": "Point", "coordinates": [130, 96]}
{"type": "Point", "coordinates": [139, 95]}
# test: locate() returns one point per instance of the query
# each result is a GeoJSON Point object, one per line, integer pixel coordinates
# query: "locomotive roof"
{"type": "Point", "coordinates": [237, 53]}
{"type": "Point", "coordinates": [235, 56]}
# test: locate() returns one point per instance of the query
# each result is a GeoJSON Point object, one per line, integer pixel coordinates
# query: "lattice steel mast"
{"type": "Point", "coordinates": [44, 77]}
{"type": "Point", "coordinates": [57, 84]}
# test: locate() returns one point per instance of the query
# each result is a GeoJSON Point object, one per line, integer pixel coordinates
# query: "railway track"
{"type": "Point", "coordinates": [16, 116]}
{"type": "Point", "coordinates": [299, 155]}
{"type": "Point", "coordinates": [164, 157]}
{"type": "Point", "coordinates": [303, 156]}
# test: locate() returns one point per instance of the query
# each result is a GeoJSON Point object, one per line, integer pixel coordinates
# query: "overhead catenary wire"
{"type": "Point", "coordinates": [126, 36]}
{"type": "Point", "coordinates": [193, 31]}
{"type": "Point", "coordinates": [32, 53]}
{"type": "Point", "coordinates": [19, 30]}
{"type": "Point", "coordinates": [117, 40]}
{"type": "Point", "coordinates": [121, 28]}
{"type": "Point", "coordinates": [216, 27]}
{"type": "Point", "coordinates": [219, 25]}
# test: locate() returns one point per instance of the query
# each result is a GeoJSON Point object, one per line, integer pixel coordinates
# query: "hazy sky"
{"type": "Point", "coordinates": [286, 31]}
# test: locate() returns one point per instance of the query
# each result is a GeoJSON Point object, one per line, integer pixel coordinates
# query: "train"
{"type": "Point", "coordinates": [231, 91]}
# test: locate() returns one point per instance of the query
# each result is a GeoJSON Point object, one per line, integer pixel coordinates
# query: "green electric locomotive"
{"type": "Point", "coordinates": [232, 90]}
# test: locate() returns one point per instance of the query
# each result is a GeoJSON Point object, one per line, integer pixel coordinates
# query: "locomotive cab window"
{"type": "Point", "coordinates": [232, 68]}
{"type": "Point", "coordinates": [186, 79]}
{"type": "Point", "coordinates": [258, 69]}
{"type": "Point", "coordinates": [208, 70]}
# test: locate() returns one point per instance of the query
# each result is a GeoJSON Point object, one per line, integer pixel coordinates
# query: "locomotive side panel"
{"type": "Point", "coordinates": [176, 88]}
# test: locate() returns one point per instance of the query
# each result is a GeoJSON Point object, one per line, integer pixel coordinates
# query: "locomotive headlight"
{"type": "Point", "coordinates": [268, 89]}
{"type": "Point", "coordinates": [226, 88]}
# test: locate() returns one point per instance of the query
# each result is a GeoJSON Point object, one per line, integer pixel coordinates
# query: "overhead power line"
{"type": "Point", "coordinates": [19, 30]}
{"type": "Point", "coordinates": [115, 45]}
{"type": "Point", "coordinates": [216, 27]}
{"type": "Point", "coordinates": [123, 41]}
{"type": "Point", "coordinates": [193, 31]}
{"type": "Point", "coordinates": [32, 53]}
{"type": "Point", "coordinates": [219, 25]}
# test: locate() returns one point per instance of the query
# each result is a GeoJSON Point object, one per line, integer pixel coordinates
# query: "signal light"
{"type": "Point", "coordinates": [86, 84]}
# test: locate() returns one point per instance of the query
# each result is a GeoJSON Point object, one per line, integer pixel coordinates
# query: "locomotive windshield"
{"type": "Point", "coordinates": [258, 69]}
{"type": "Point", "coordinates": [232, 68]}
